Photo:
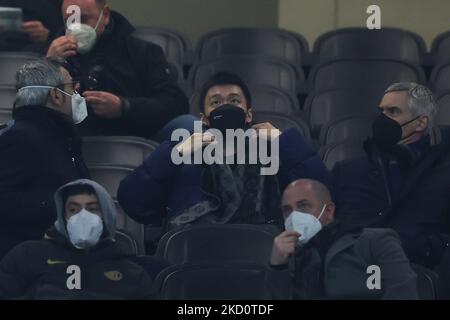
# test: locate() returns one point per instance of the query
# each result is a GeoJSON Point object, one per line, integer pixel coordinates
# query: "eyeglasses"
{"type": "Point", "coordinates": [73, 84]}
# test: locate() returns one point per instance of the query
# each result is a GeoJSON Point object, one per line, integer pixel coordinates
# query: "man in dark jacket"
{"type": "Point", "coordinates": [127, 82]}
{"type": "Point", "coordinates": [42, 22]}
{"type": "Point", "coordinates": [403, 181]}
{"type": "Point", "coordinates": [39, 151]}
{"type": "Point", "coordinates": [80, 257]}
{"type": "Point", "coordinates": [223, 191]}
{"type": "Point", "coordinates": [332, 259]}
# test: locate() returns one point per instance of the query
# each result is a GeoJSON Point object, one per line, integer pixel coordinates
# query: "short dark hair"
{"type": "Point", "coordinates": [220, 79]}
{"type": "Point", "coordinates": [76, 190]}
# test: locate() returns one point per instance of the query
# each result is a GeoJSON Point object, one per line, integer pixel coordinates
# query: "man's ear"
{"type": "Point", "coordinates": [204, 118]}
{"type": "Point", "coordinates": [328, 214]}
{"type": "Point", "coordinates": [249, 117]}
{"type": "Point", "coordinates": [423, 123]}
{"type": "Point", "coordinates": [106, 14]}
{"type": "Point", "coordinates": [56, 98]}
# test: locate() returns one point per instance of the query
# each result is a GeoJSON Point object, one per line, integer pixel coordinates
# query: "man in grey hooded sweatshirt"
{"type": "Point", "coordinates": [79, 257]}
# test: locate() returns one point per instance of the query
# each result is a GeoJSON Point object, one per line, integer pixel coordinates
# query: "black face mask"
{"type": "Point", "coordinates": [387, 132]}
{"type": "Point", "coordinates": [227, 116]}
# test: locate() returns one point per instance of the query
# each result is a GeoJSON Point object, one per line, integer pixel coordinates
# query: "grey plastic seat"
{"type": "Point", "coordinates": [212, 282]}
{"type": "Point", "coordinates": [340, 151]}
{"type": "Point", "coordinates": [109, 176]}
{"type": "Point", "coordinates": [442, 117]}
{"type": "Point", "coordinates": [10, 62]}
{"type": "Point", "coordinates": [226, 243]}
{"type": "Point", "coordinates": [440, 78]}
{"type": "Point", "coordinates": [5, 116]}
{"type": "Point", "coordinates": [268, 42]}
{"type": "Point", "coordinates": [7, 97]}
{"type": "Point", "coordinates": [283, 122]}
{"type": "Point", "coordinates": [363, 43]}
{"type": "Point", "coordinates": [440, 48]}
{"type": "Point", "coordinates": [133, 228]}
{"type": "Point", "coordinates": [353, 127]}
{"type": "Point", "coordinates": [121, 151]}
{"type": "Point", "coordinates": [254, 71]}
{"type": "Point", "coordinates": [176, 46]}
{"type": "Point", "coordinates": [326, 106]}
{"type": "Point", "coordinates": [264, 98]}
{"type": "Point", "coordinates": [363, 73]}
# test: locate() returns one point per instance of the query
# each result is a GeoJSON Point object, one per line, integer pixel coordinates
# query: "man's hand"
{"type": "Point", "coordinates": [283, 247]}
{"type": "Point", "coordinates": [36, 30]}
{"type": "Point", "coordinates": [268, 130]}
{"type": "Point", "coordinates": [104, 104]}
{"type": "Point", "coordinates": [195, 142]}
{"type": "Point", "coordinates": [64, 47]}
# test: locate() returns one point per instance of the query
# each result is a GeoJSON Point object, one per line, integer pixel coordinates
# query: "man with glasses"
{"type": "Point", "coordinates": [127, 82]}
{"type": "Point", "coordinates": [40, 150]}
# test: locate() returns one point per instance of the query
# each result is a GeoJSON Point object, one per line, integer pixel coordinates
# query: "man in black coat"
{"type": "Point", "coordinates": [40, 150]}
{"type": "Point", "coordinates": [127, 82]}
{"type": "Point", "coordinates": [404, 181]}
{"type": "Point", "coordinates": [42, 22]}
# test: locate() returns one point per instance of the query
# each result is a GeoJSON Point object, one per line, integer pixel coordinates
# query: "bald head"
{"type": "Point", "coordinates": [308, 196]}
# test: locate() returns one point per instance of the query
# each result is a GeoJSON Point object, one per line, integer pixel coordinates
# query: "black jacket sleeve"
{"type": "Point", "coordinates": [161, 100]}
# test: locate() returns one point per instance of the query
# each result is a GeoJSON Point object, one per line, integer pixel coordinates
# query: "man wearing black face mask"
{"type": "Point", "coordinates": [403, 181]}
{"type": "Point", "coordinates": [218, 193]}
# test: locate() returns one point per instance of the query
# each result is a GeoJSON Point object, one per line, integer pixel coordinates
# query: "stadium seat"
{"type": "Point", "coordinates": [116, 150]}
{"type": "Point", "coordinates": [109, 176]}
{"type": "Point", "coordinates": [226, 243]}
{"type": "Point", "coordinates": [254, 70]}
{"type": "Point", "coordinates": [10, 62]}
{"type": "Point", "coordinates": [132, 228]}
{"type": "Point", "coordinates": [283, 122]}
{"type": "Point", "coordinates": [336, 152]}
{"type": "Point", "coordinates": [5, 116]}
{"type": "Point", "coordinates": [212, 282]}
{"type": "Point", "coordinates": [440, 78]}
{"type": "Point", "coordinates": [427, 282]}
{"type": "Point", "coordinates": [267, 42]}
{"type": "Point", "coordinates": [176, 46]}
{"type": "Point", "coordinates": [442, 117]}
{"type": "Point", "coordinates": [363, 73]}
{"type": "Point", "coordinates": [129, 239]}
{"type": "Point", "coordinates": [264, 98]}
{"type": "Point", "coordinates": [364, 43]}
{"type": "Point", "coordinates": [325, 106]}
{"type": "Point", "coordinates": [7, 97]}
{"type": "Point", "coordinates": [353, 127]}
{"type": "Point", "coordinates": [440, 48]}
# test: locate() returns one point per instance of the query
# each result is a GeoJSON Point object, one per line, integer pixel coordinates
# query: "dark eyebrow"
{"type": "Point", "coordinates": [302, 202]}
{"type": "Point", "coordinates": [217, 95]}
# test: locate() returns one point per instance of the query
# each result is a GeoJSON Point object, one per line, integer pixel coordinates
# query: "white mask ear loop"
{"type": "Point", "coordinates": [321, 212]}
{"type": "Point", "coordinates": [99, 19]}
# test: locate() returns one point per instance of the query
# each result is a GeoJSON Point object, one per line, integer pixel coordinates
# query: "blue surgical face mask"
{"type": "Point", "coordinates": [79, 107]}
{"type": "Point", "coordinates": [306, 224]}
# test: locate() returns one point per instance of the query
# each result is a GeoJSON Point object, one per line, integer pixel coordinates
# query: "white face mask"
{"type": "Point", "coordinates": [79, 107]}
{"type": "Point", "coordinates": [304, 223]}
{"type": "Point", "coordinates": [86, 35]}
{"type": "Point", "coordinates": [84, 229]}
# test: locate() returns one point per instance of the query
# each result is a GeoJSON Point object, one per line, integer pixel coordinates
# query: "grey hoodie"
{"type": "Point", "coordinates": [107, 206]}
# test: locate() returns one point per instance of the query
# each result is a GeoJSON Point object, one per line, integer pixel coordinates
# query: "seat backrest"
{"type": "Point", "coordinates": [442, 117]}
{"type": "Point", "coordinates": [109, 176]}
{"type": "Point", "coordinates": [116, 150]}
{"type": "Point", "coordinates": [269, 42]}
{"type": "Point", "coordinates": [264, 98]}
{"type": "Point", "coordinates": [174, 44]}
{"type": "Point", "coordinates": [325, 106]}
{"type": "Point", "coordinates": [254, 71]}
{"type": "Point", "coordinates": [127, 238]}
{"type": "Point", "coordinates": [363, 73]}
{"type": "Point", "coordinates": [440, 48]}
{"type": "Point", "coordinates": [336, 152]}
{"type": "Point", "coordinates": [10, 63]}
{"type": "Point", "coordinates": [352, 127]}
{"type": "Point", "coordinates": [7, 97]}
{"type": "Point", "coordinates": [283, 122]}
{"type": "Point", "coordinates": [226, 243]}
{"type": "Point", "coordinates": [5, 116]}
{"type": "Point", "coordinates": [362, 43]}
{"type": "Point", "coordinates": [132, 228]}
{"type": "Point", "coordinates": [427, 282]}
{"type": "Point", "coordinates": [213, 282]}
{"type": "Point", "coordinates": [440, 78]}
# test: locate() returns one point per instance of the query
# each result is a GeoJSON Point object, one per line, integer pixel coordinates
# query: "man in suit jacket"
{"type": "Point", "coordinates": [333, 259]}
